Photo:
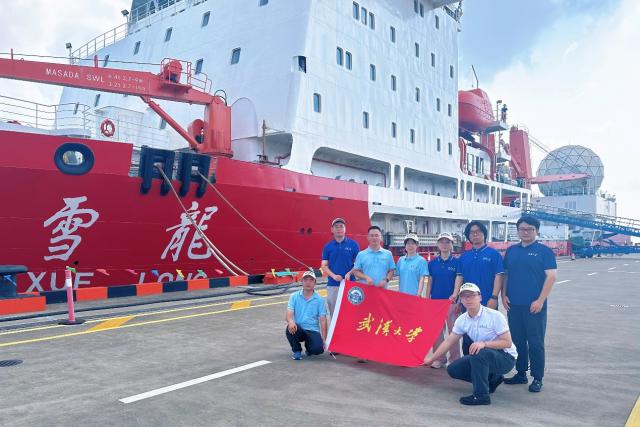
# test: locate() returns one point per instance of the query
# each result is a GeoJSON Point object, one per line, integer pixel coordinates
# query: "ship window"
{"type": "Point", "coordinates": [356, 11]}
{"type": "Point", "coordinates": [365, 120]}
{"type": "Point", "coordinates": [235, 56]}
{"type": "Point", "coordinates": [317, 103]}
{"type": "Point", "coordinates": [136, 48]}
{"type": "Point", "coordinates": [205, 19]}
{"type": "Point", "coordinates": [450, 149]}
{"type": "Point", "coordinates": [263, 2]}
{"type": "Point", "coordinates": [394, 129]}
{"type": "Point", "coordinates": [451, 71]}
{"type": "Point", "coordinates": [438, 144]}
{"type": "Point", "coordinates": [392, 34]}
{"type": "Point", "coordinates": [422, 10]}
{"type": "Point", "coordinates": [97, 100]}
{"type": "Point", "coordinates": [438, 104]}
{"type": "Point", "coordinates": [163, 124]}
{"type": "Point", "coordinates": [105, 61]}
{"type": "Point", "coordinates": [417, 94]}
{"type": "Point", "coordinates": [415, 6]}
{"type": "Point", "coordinates": [348, 60]}
{"type": "Point", "coordinates": [437, 22]}
{"type": "Point", "coordinates": [363, 16]}
{"type": "Point", "coordinates": [199, 63]}
{"type": "Point", "coordinates": [75, 108]}
{"type": "Point", "coordinates": [433, 59]}
{"type": "Point", "coordinates": [393, 83]}
{"type": "Point", "coordinates": [339, 56]}
{"type": "Point", "coordinates": [167, 34]}
{"type": "Point", "coordinates": [417, 50]}
{"type": "Point", "coordinates": [372, 21]}
{"type": "Point", "coordinates": [449, 110]}
{"type": "Point", "coordinates": [412, 136]}
{"type": "Point", "coordinates": [302, 64]}
{"type": "Point", "coordinates": [372, 72]}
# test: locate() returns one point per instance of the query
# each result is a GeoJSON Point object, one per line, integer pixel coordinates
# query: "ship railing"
{"type": "Point", "coordinates": [397, 239]}
{"type": "Point", "coordinates": [76, 116]}
{"type": "Point", "coordinates": [140, 17]}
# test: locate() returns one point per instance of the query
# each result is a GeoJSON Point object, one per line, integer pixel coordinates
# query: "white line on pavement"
{"type": "Point", "coordinates": [195, 381]}
{"type": "Point", "coordinates": [562, 281]}
{"type": "Point", "coordinates": [612, 268]}
{"type": "Point", "coordinates": [592, 274]}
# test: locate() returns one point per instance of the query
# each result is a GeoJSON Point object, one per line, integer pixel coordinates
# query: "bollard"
{"type": "Point", "coordinates": [68, 284]}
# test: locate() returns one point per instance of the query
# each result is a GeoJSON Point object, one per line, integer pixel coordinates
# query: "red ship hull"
{"type": "Point", "coordinates": [125, 236]}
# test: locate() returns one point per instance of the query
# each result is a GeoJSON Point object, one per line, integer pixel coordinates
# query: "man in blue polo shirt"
{"type": "Point", "coordinates": [374, 265]}
{"type": "Point", "coordinates": [530, 274]}
{"type": "Point", "coordinates": [338, 256]}
{"type": "Point", "coordinates": [306, 319]}
{"type": "Point", "coordinates": [412, 268]}
{"type": "Point", "coordinates": [444, 283]}
{"type": "Point", "coordinates": [483, 266]}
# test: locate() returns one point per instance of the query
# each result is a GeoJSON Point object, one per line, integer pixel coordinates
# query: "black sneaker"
{"type": "Point", "coordinates": [535, 386]}
{"type": "Point", "coordinates": [517, 379]}
{"type": "Point", "coordinates": [473, 400]}
{"type": "Point", "coordinates": [495, 382]}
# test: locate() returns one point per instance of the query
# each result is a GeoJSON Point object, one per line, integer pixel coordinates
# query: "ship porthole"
{"type": "Point", "coordinates": [74, 159]}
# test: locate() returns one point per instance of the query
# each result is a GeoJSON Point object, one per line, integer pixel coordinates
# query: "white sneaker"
{"type": "Point", "coordinates": [437, 364]}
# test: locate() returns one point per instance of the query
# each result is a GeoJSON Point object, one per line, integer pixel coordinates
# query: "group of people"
{"type": "Point", "coordinates": [482, 345]}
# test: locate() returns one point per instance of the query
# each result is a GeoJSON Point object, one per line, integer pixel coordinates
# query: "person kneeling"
{"type": "Point", "coordinates": [306, 319]}
{"type": "Point", "coordinates": [492, 353]}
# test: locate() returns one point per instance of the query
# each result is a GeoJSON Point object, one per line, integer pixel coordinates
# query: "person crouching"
{"type": "Point", "coordinates": [306, 319]}
{"type": "Point", "coordinates": [491, 354]}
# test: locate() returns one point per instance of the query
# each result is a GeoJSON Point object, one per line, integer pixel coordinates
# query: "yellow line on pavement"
{"type": "Point", "coordinates": [634, 416]}
{"type": "Point", "coordinates": [111, 324]}
{"type": "Point", "coordinates": [150, 322]}
{"type": "Point", "coordinates": [241, 304]}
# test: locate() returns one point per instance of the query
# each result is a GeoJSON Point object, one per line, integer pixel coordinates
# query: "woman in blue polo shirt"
{"type": "Point", "coordinates": [412, 268]}
{"type": "Point", "coordinates": [444, 283]}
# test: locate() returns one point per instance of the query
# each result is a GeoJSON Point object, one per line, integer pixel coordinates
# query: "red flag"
{"type": "Point", "coordinates": [385, 326]}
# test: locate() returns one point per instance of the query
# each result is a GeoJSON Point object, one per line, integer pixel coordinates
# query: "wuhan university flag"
{"type": "Point", "coordinates": [385, 326]}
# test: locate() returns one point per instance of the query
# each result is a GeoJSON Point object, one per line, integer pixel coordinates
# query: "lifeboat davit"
{"type": "Point", "coordinates": [475, 111]}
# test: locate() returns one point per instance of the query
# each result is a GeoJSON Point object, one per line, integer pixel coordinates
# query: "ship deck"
{"type": "Point", "coordinates": [79, 375]}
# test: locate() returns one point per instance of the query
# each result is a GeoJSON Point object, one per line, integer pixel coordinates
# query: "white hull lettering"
{"type": "Point", "coordinates": [72, 75]}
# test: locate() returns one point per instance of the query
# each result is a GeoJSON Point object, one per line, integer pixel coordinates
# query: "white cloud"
{"type": "Point", "coordinates": [580, 86]}
{"type": "Point", "coordinates": [42, 27]}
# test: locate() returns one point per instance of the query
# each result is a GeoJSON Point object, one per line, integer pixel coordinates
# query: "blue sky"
{"type": "Point", "coordinates": [497, 32]}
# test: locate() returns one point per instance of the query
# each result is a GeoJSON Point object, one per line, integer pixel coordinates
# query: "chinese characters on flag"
{"type": "Point", "coordinates": [385, 326]}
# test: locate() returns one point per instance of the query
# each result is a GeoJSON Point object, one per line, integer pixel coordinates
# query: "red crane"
{"type": "Point", "coordinates": [211, 135]}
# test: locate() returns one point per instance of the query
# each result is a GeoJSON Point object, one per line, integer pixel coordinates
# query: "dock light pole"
{"type": "Point", "coordinates": [68, 46]}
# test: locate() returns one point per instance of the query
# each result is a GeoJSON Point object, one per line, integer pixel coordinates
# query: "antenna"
{"type": "Point", "coordinates": [475, 75]}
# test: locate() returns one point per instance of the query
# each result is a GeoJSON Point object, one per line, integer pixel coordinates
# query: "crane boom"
{"type": "Point", "coordinates": [213, 136]}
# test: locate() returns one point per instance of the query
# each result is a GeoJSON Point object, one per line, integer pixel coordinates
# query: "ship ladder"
{"type": "Point", "coordinates": [217, 253]}
{"type": "Point", "coordinates": [250, 224]}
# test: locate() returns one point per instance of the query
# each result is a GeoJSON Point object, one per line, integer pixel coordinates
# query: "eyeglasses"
{"type": "Point", "coordinates": [527, 229]}
{"type": "Point", "coordinates": [475, 232]}
{"type": "Point", "coordinates": [468, 295]}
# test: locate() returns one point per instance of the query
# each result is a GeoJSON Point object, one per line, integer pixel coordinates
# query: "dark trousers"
{"type": "Point", "coordinates": [527, 332]}
{"type": "Point", "coordinates": [481, 368]}
{"type": "Point", "coordinates": [312, 341]}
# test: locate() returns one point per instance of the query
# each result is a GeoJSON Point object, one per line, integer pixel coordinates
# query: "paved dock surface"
{"type": "Point", "coordinates": [134, 366]}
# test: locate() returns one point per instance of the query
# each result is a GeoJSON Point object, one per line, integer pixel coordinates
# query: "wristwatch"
{"type": "Point", "coordinates": [495, 297]}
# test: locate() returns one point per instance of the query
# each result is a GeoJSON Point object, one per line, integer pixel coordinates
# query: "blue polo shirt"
{"type": "Point", "coordinates": [443, 276]}
{"type": "Point", "coordinates": [341, 257]}
{"type": "Point", "coordinates": [375, 264]}
{"type": "Point", "coordinates": [480, 266]}
{"type": "Point", "coordinates": [525, 266]}
{"type": "Point", "coordinates": [410, 270]}
{"type": "Point", "coordinates": [306, 312]}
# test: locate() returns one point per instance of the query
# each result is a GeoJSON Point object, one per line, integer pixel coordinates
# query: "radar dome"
{"type": "Point", "coordinates": [571, 159]}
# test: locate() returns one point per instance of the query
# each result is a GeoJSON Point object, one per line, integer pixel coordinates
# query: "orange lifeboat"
{"type": "Point", "coordinates": [475, 111]}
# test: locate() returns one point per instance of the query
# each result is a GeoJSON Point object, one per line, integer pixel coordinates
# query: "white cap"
{"type": "Point", "coordinates": [469, 287]}
{"type": "Point", "coordinates": [308, 273]}
{"type": "Point", "coordinates": [413, 237]}
{"type": "Point", "coordinates": [447, 236]}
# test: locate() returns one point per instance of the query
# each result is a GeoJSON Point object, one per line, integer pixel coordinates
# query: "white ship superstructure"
{"type": "Point", "coordinates": [363, 91]}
